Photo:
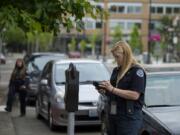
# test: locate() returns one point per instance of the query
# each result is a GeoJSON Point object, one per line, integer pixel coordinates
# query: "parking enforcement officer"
{"type": "Point", "coordinates": [125, 92]}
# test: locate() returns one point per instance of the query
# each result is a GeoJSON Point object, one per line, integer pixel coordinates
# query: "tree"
{"type": "Point", "coordinates": [82, 46]}
{"type": "Point", "coordinates": [135, 40]}
{"type": "Point", "coordinates": [166, 23]}
{"type": "Point", "coordinates": [15, 34]}
{"type": "Point", "coordinates": [38, 16]}
{"type": "Point", "coordinates": [117, 34]}
{"type": "Point", "coordinates": [49, 14]}
{"type": "Point", "coordinates": [93, 39]}
{"type": "Point", "coordinates": [72, 45]}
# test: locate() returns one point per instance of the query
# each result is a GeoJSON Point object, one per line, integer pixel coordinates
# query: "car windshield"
{"type": "Point", "coordinates": [162, 90]}
{"type": "Point", "coordinates": [87, 72]}
{"type": "Point", "coordinates": [38, 63]}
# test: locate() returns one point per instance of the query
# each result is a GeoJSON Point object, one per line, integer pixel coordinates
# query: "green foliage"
{"type": "Point", "coordinates": [135, 40]}
{"type": "Point", "coordinates": [15, 35]}
{"type": "Point", "coordinates": [45, 40]}
{"type": "Point", "coordinates": [117, 34]}
{"type": "Point", "coordinates": [72, 45]}
{"type": "Point", "coordinates": [37, 18]}
{"type": "Point", "coordinates": [82, 46]}
{"type": "Point", "coordinates": [166, 21]}
{"type": "Point", "coordinates": [44, 15]}
{"type": "Point", "coordinates": [165, 24]}
{"type": "Point", "coordinates": [93, 38]}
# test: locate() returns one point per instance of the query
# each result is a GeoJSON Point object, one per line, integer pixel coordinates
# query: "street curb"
{"type": "Point", "coordinates": [6, 124]}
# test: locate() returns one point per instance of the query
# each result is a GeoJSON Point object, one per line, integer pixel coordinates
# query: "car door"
{"type": "Point", "coordinates": [45, 88]}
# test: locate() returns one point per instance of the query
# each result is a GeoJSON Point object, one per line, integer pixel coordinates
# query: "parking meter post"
{"type": "Point", "coordinates": [71, 119]}
{"type": "Point", "coordinates": [71, 97]}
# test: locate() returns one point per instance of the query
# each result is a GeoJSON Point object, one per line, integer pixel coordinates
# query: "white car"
{"type": "Point", "coordinates": [50, 98]}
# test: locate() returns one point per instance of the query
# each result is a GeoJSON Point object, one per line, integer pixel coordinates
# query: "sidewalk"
{"type": "Point", "coordinates": [6, 125]}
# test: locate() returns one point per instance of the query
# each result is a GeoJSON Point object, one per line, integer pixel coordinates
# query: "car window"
{"type": "Point", "coordinates": [88, 72]}
{"type": "Point", "coordinates": [38, 63]}
{"type": "Point", "coordinates": [162, 90]}
{"type": "Point", "coordinates": [47, 71]}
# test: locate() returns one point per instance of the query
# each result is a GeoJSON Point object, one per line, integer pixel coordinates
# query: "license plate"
{"type": "Point", "coordinates": [92, 113]}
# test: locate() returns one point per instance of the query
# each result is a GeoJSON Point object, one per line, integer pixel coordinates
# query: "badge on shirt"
{"type": "Point", "coordinates": [140, 73]}
{"type": "Point", "coordinates": [113, 108]}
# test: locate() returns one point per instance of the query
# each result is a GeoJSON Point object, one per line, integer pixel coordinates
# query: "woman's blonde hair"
{"type": "Point", "coordinates": [128, 58]}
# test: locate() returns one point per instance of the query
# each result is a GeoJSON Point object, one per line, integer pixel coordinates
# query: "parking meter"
{"type": "Point", "coordinates": [71, 97]}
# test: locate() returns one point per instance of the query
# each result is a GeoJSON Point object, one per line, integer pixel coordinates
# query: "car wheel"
{"type": "Point", "coordinates": [103, 125]}
{"type": "Point", "coordinates": [50, 120]}
{"type": "Point", "coordinates": [38, 115]}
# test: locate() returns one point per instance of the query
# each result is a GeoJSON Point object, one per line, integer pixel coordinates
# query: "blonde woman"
{"type": "Point", "coordinates": [125, 92]}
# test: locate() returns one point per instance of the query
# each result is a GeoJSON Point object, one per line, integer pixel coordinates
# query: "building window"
{"type": "Point", "coordinates": [138, 25]}
{"type": "Point", "coordinates": [153, 10]}
{"type": "Point", "coordinates": [130, 9]}
{"type": "Point", "coordinates": [113, 9]}
{"type": "Point", "coordinates": [155, 25]}
{"type": "Point", "coordinates": [169, 10]}
{"type": "Point", "coordinates": [133, 9]}
{"type": "Point", "coordinates": [99, 7]}
{"type": "Point", "coordinates": [130, 25]}
{"type": "Point", "coordinates": [177, 10]}
{"type": "Point", "coordinates": [89, 25]}
{"type": "Point", "coordinates": [114, 24]}
{"type": "Point", "coordinates": [121, 9]}
{"type": "Point", "coordinates": [98, 25]}
{"type": "Point", "coordinates": [137, 9]}
{"type": "Point", "coordinates": [160, 10]}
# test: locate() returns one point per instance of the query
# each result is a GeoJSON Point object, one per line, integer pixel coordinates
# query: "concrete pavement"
{"type": "Point", "coordinates": [6, 125]}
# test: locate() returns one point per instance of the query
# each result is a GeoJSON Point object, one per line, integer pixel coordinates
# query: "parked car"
{"type": "Point", "coordinates": [50, 98]}
{"type": "Point", "coordinates": [162, 67]}
{"type": "Point", "coordinates": [161, 114]}
{"type": "Point", "coordinates": [34, 64]}
{"type": "Point", "coordinates": [74, 54]}
{"type": "Point", "coordinates": [2, 59]}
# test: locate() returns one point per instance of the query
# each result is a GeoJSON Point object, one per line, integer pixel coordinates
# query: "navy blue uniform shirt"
{"type": "Point", "coordinates": [135, 80]}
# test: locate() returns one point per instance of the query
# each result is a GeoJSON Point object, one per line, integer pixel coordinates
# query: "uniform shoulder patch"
{"type": "Point", "coordinates": [140, 73]}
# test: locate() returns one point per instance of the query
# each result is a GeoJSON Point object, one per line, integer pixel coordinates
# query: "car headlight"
{"type": "Point", "coordinates": [94, 103]}
{"type": "Point", "coordinates": [59, 97]}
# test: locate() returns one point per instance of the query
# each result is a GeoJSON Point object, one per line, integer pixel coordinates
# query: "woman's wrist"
{"type": "Point", "coordinates": [112, 89]}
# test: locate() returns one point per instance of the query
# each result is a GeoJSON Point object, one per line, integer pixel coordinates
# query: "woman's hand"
{"type": "Point", "coordinates": [106, 85]}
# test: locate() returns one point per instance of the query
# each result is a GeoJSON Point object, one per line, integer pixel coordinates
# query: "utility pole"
{"type": "Point", "coordinates": [149, 34]}
{"type": "Point", "coordinates": [105, 31]}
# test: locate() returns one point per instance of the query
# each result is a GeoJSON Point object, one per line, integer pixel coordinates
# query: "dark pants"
{"type": "Point", "coordinates": [22, 99]}
{"type": "Point", "coordinates": [10, 98]}
{"type": "Point", "coordinates": [124, 125]}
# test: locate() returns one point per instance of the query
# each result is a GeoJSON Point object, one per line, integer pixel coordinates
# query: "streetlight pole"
{"type": "Point", "coordinates": [149, 34]}
{"type": "Point", "coordinates": [105, 30]}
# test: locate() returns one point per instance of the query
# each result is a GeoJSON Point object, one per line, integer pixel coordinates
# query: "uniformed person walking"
{"type": "Point", "coordinates": [125, 92]}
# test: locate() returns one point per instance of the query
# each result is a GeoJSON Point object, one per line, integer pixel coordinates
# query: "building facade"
{"type": "Point", "coordinates": [128, 13]}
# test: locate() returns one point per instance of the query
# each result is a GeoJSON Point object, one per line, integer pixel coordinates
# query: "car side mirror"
{"type": "Point", "coordinates": [44, 82]}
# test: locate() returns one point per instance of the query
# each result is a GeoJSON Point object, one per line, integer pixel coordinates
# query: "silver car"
{"type": "Point", "coordinates": [50, 99]}
{"type": "Point", "coordinates": [162, 105]}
